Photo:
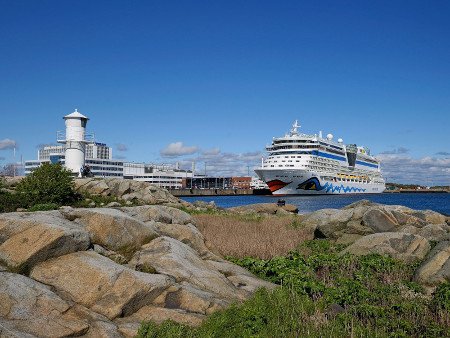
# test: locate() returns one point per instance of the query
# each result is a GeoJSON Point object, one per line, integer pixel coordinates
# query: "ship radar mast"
{"type": "Point", "coordinates": [295, 126]}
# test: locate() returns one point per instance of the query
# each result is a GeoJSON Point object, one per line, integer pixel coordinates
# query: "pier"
{"type": "Point", "coordinates": [218, 192]}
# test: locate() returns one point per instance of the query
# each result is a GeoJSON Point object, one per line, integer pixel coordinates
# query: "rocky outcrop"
{"type": "Point", "coordinates": [364, 218]}
{"type": "Point", "coordinates": [436, 268]}
{"type": "Point", "coordinates": [265, 208]}
{"type": "Point", "coordinates": [170, 257]}
{"type": "Point", "coordinates": [29, 238]}
{"type": "Point", "coordinates": [99, 284]}
{"type": "Point", "coordinates": [100, 272]}
{"type": "Point", "coordinates": [29, 307]}
{"type": "Point", "coordinates": [112, 229]}
{"type": "Point", "coordinates": [401, 246]}
{"type": "Point", "coordinates": [128, 190]}
{"type": "Point", "coordinates": [392, 230]}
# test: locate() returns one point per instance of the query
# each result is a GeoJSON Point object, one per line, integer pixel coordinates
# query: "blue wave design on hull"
{"type": "Point", "coordinates": [314, 184]}
{"type": "Point", "coordinates": [329, 186]}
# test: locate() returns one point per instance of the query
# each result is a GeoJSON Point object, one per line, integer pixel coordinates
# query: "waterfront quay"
{"type": "Point", "coordinates": [218, 192]}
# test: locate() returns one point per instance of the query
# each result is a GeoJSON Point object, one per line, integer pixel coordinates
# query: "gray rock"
{"type": "Point", "coordinates": [187, 234]}
{"type": "Point", "coordinates": [430, 216]}
{"type": "Point", "coordinates": [436, 268]}
{"type": "Point", "coordinates": [29, 238]}
{"type": "Point", "coordinates": [158, 213]}
{"type": "Point", "coordinates": [113, 205]}
{"type": "Point", "coordinates": [403, 246]}
{"type": "Point", "coordinates": [127, 190]}
{"type": "Point", "coordinates": [113, 229]}
{"type": "Point", "coordinates": [348, 239]}
{"type": "Point", "coordinates": [434, 232]}
{"type": "Point", "coordinates": [99, 284]}
{"type": "Point", "coordinates": [31, 308]}
{"type": "Point", "coordinates": [380, 220]}
{"type": "Point", "coordinates": [330, 223]}
{"type": "Point", "coordinates": [173, 258]}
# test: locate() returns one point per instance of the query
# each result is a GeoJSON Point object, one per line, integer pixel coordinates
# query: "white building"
{"type": "Point", "coordinates": [97, 155]}
{"type": "Point", "coordinates": [162, 175]}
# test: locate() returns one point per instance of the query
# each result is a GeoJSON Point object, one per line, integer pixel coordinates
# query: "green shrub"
{"type": "Point", "coordinates": [10, 202]}
{"type": "Point", "coordinates": [44, 207]}
{"type": "Point", "coordinates": [49, 183]}
{"type": "Point", "coordinates": [441, 297]}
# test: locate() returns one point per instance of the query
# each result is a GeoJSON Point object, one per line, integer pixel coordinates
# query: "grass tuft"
{"type": "Point", "coordinates": [255, 235]}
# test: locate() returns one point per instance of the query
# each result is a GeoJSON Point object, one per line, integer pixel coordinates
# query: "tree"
{"type": "Point", "coordinates": [49, 183]}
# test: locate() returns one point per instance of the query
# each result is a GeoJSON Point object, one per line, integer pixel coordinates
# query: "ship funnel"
{"type": "Point", "coordinates": [351, 149]}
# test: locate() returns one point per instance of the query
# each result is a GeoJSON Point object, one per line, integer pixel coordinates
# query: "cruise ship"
{"type": "Point", "coordinates": [301, 164]}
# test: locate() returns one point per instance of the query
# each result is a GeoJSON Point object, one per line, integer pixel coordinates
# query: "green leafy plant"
{"type": "Point", "coordinates": [10, 202]}
{"type": "Point", "coordinates": [441, 297]}
{"type": "Point", "coordinates": [44, 207]}
{"type": "Point", "coordinates": [49, 183]}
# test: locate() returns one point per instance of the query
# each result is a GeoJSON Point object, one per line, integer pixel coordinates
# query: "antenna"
{"type": "Point", "coordinates": [14, 167]}
{"type": "Point", "coordinates": [295, 126]}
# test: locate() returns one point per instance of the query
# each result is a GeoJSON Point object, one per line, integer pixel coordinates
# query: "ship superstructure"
{"type": "Point", "coordinates": [301, 164]}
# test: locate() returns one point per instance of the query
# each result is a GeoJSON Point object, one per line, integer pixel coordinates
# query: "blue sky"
{"type": "Point", "coordinates": [214, 81]}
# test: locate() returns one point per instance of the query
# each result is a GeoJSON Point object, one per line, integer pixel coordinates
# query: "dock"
{"type": "Point", "coordinates": [218, 192]}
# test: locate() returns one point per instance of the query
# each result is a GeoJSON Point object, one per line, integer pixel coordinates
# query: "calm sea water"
{"type": "Point", "coordinates": [439, 202]}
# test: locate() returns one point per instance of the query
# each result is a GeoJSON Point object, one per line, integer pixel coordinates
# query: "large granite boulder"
{"type": "Point", "coordinates": [112, 229]}
{"type": "Point", "coordinates": [127, 190]}
{"type": "Point", "coordinates": [436, 268]}
{"type": "Point", "coordinates": [99, 284]}
{"type": "Point", "coordinates": [29, 238]}
{"type": "Point", "coordinates": [402, 246]}
{"type": "Point", "coordinates": [170, 257]}
{"type": "Point", "coordinates": [159, 213]}
{"type": "Point", "coordinates": [29, 308]}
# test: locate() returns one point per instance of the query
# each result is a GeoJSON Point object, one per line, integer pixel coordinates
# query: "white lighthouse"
{"type": "Point", "coordinates": [75, 140]}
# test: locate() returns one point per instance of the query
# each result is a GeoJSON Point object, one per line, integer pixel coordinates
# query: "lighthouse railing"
{"type": "Point", "coordinates": [61, 137]}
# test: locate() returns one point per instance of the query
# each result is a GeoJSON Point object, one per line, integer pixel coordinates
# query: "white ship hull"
{"type": "Point", "coordinates": [302, 182]}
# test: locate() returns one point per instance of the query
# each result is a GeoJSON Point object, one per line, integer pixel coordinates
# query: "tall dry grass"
{"type": "Point", "coordinates": [256, 236]}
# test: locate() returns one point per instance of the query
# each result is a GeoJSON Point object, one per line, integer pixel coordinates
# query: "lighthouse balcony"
{"type": "Point", "coordinates": [61, 137]}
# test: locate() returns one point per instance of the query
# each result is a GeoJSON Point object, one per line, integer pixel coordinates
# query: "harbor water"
{"type": "Point", "coordinates": [439, 202]}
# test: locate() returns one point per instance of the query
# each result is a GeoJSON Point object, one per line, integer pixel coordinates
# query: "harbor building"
{"type": "Point", "coordinates": [162, 175]}
{"type": "Point", "coordinates": [98, 156]}
{"type": "Point", "coordinates": [206, 182]}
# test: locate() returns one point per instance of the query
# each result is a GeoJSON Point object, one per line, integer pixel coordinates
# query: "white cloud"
{"type": "Point", "coordinates": [406, 169]}
{"type": "Point", "coordinates": [211, 152]}
{"type": "Point", "coordinates": [399, 150]}
{"type": "Point", "coordinates": [177, 149]}
{"type": "Point", "coordinates": [225, 164]}
{"type": "Point", "coordinates": [7, 144]}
